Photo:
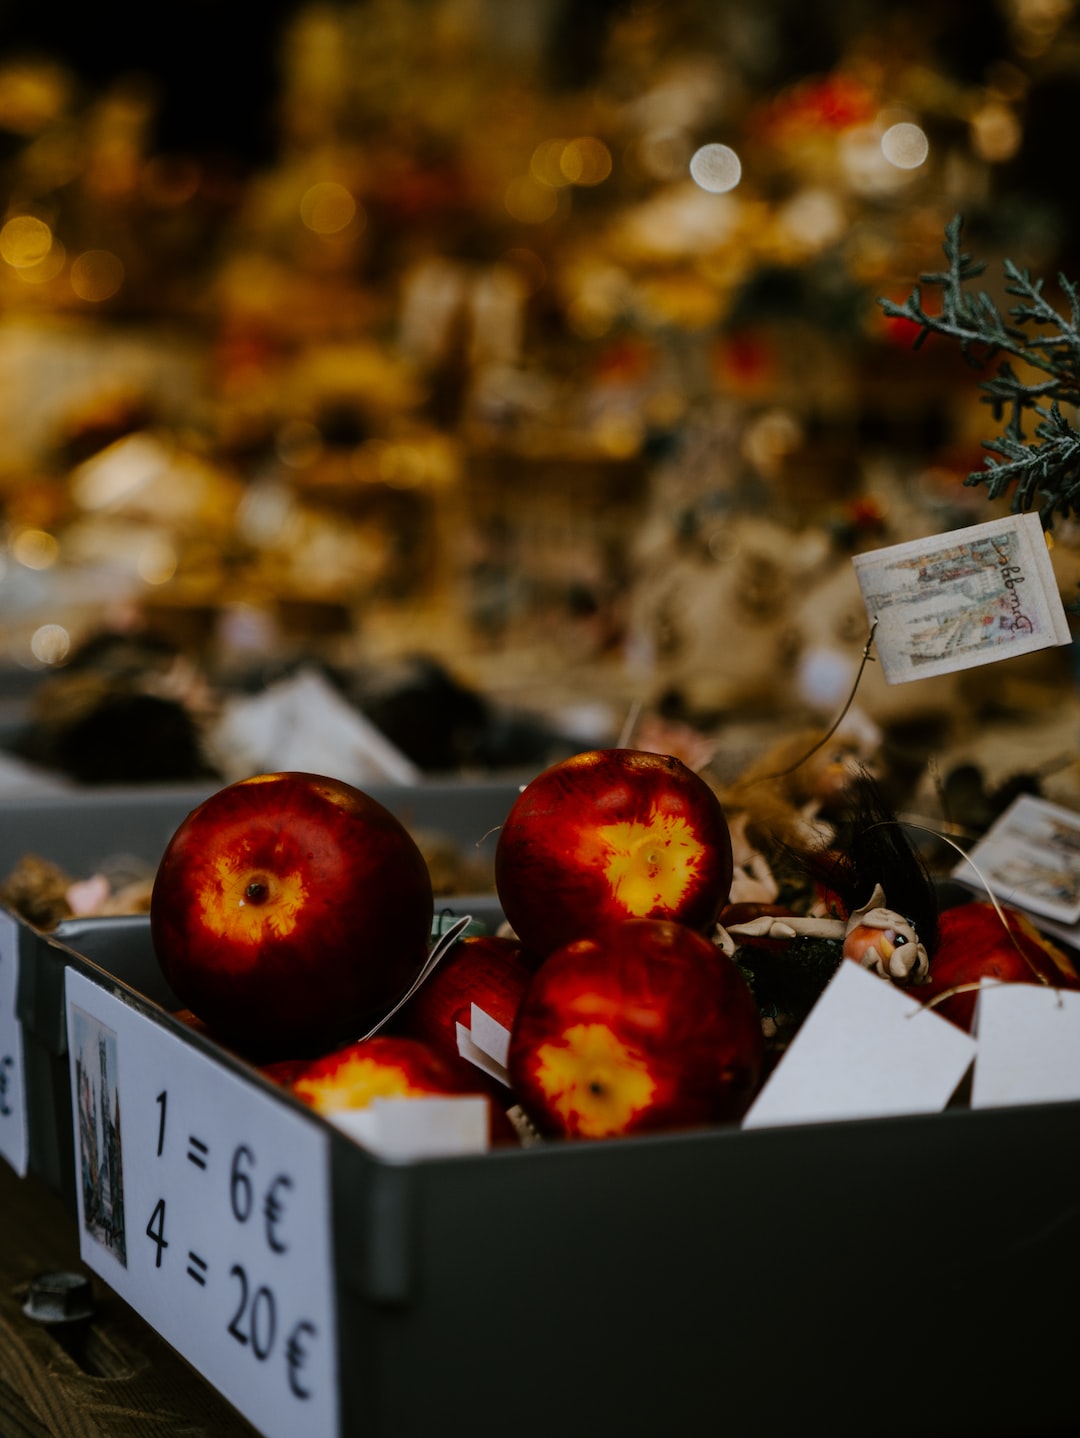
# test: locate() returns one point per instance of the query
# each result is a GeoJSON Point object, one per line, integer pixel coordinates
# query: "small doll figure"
{"type": "Point", "coordinates": [862, 894]}
{"type": "Point", "coordinates": [875, 936]}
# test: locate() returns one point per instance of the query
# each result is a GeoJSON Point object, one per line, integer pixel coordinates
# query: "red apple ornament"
{"type": "Point", "coordinates": [608, 835]}
{"type": "Point", "coordinates": [644, 1026]}
{"type": "Point", "coordinates": [383, 1066]}
{"type": "Point", "coordinates": [482, 969]}
{"type": "Point", "coordinates": [290, 912]}
{"type": "Point", "coordinates": [389, 1066]}
{"type": "Point", "coordinates": [974, 944]}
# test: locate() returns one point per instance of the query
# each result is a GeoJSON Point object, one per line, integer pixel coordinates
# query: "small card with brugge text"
{"type": "Point", "coordinates": [970, 596]}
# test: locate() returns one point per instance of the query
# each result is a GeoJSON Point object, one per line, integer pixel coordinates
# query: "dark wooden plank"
{"type": "Point", "coordinates": [16, 1420]}
{"type": "Point", "coordinates": [112, 1378]}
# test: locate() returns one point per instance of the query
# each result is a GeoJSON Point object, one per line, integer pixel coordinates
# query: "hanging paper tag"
{"type": "Point", "coordinates": [421, 1127]}
{"type": "Point", "coordinates": [956, 600]}
{"type": "Point", "coordinates": [485, 1043]}
{"type": "Point", "coordinates": [865, 1050]}
{"type": "Point", "coordinates": [205, 1203]}
{"type": "Point", "coordinates": [445, 943]}
{"type": "Point", "coordinates": [1029, 1045]}
{"type": "Point", "coordinates": [13, 1139]}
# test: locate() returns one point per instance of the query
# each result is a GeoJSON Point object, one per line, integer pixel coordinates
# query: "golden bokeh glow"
{"type": "Point", "coordinates": [545, 166]}
{"type": "Point", "coordinates": [46, 269]}
{"type": "Point", "coordinates": [327, 208]}
{"type": "Point", "coordinates": [96, 275]}
{"type": "Point", "coordinates": [24, 241]}
{"type": "Point", "coordinates": [529, 201]}
{"type": "Point", "coordinates": [586, 161]}
{"type": "Point", "coordinates": [995, 132]}
{"type": "Point", "coordinates": [35, 548]}
{"type": "Point", "coordinates": [157, 561]}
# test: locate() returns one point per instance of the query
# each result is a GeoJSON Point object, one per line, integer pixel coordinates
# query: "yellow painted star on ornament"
{"type": "Point", "coordinates": [650, 865]}
{"type": "Point", "coordinates": [594, 1080]}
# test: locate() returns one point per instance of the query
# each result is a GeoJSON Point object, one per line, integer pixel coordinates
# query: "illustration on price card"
{"type": "Point", "coordinates": [101, 1159]}
{"type": "Point", "coordinates": [970, 596]}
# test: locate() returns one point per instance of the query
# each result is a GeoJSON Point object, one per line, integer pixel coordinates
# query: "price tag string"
{"type": "Point", "coordinates": [867, 657]}
{"type": "Point", "coordinates": [445, 943]}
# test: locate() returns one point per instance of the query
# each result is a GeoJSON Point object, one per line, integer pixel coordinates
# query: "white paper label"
{"type": "Point", "coordinates": [865, 1050]}
{"type": "Point", "coordinates": [205, 1204]}
{"type": "Point", "coordinates": [1029, 1045]}
{"type": "Point", "coordinates": [967, 597]}
{"type": "Point", "coordinates": [485, 1043]}
{"type": "Point", "coordinates": [420, 1127]}
{"type": "Point", "coordinates": [440, 949]}
{"type": "Point", "coordinates": [13, 1138]}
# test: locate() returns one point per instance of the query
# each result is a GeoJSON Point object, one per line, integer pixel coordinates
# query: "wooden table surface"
{"type": "Point", "coordinates": [111, 1377]}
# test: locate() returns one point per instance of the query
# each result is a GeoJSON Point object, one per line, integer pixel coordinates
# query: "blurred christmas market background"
{"type": "Point", "coordinates": [509, 375]}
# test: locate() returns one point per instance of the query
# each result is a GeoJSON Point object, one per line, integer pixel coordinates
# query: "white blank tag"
{"type": "Point", "coordinates": [866, 1049]}
{"type": "Point", "coordinates": [1029, 1045]}
{"type": "Point", "coordinates": [485, 1043]}
{"type": "Point", "coordinates": [412, 1128]}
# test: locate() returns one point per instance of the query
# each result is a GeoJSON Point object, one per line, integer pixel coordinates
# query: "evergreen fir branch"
{"type": "Point", "coordinates": [973, 319]}
{"type": "Point", "coordinates": [1049, 470]}
{"type": "Point", "coordinates": [1043, 471]}
{"type": "Point", "coordinates": [1038, 310]}
{"type": "Point", "coordinates": [1005, 393]}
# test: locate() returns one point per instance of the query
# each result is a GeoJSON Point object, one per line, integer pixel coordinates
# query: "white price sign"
{"type": "Point", "coordinates": [13, 1142]}
{"type": "Point", "coordinates": [205, 1204]}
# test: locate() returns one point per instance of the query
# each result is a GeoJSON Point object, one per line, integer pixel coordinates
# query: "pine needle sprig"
{"type": "Point", "coordinates": [1042, 471]}
{"type": "Point", "coordinates": [1047, 474]}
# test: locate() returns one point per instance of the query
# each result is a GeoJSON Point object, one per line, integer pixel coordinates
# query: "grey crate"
{"type": "Point", "coordinates": [893, 1277]}
{"type": "Point", "coordinates": [81, 829]}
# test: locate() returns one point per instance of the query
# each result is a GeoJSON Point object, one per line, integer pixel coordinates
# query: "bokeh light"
{"type": "Point", "coordinates": [35, 548]}
{"type": "Point", "coordinates": [529, 201]}
{"type": "Point", "coordinates": [662, 153]}
{"type": "Point", "coordinates": [328, 208]}
{"type": "Point", "coordinates": [812, 218]}
{"type": "Point", "coordinates": [50, 644]}
{"type": "Point", "coordinates": [46, 268]}
{"type": "Point", "coordinates": [545, 164]}
{"type": "Point", "coordinates": [24, 241]}
{"type": "Point", "coordinates": [157, 560]}
{"type": "Point", "coordinates": [118, 472]}
{"type": "Point", "coordinates": [905, 145]}
{"type": "Point", "coordinates": [995, 133]}
{"type": "Point", "coordinates": [32, 92]}
{"type": "Point", "coordinates": [586, 161]}
{"type": "Point", "coordinates": [557, 163]}
{"type": "Point", "coordinates": [96, 275]}
{"type": "Point", "coordinates": [716, 168]}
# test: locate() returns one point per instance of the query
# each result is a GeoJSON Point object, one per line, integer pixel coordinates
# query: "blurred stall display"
{"type": "Point", "coordinates": [560, 372]}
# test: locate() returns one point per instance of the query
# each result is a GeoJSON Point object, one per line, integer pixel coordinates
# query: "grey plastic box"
{"type": "Point", "coordinates": [79, 830]}
{"type": "Point", "coordinates": [889, 1277]}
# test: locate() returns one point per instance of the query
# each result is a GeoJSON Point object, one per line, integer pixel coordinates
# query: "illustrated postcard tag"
{"type": "Point", "coordinates": [1030, 858]}
{"type": "Point", "coordinates": [968, 597]}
